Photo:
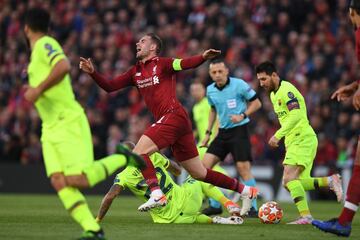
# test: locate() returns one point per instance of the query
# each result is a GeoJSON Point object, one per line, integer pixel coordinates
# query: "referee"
{"type": "Point", "coordinates": [233, 100]}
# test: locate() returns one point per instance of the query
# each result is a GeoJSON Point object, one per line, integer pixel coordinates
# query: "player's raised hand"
{"type": "Point", "coordinates": [345, 92]}
{"type": "Point", "coordinates": [86, 65]}
{"type": "Point", "coordinates": [211, 53]}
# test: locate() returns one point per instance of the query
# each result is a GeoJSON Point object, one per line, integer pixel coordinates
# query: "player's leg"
{"type": "Point", "coordinates": [215, 193]}
{"type": "Point", "coordinates": [244, 170]}
{"type": "Point", "coordinates": [240, 147]}
{"type": "Point", "coordinates": [210, 160]}
{"type": "Point", "coordinates": [333, 182]}
{"type": "Point", "coordinates": [81, 169]}
{"type": "Point", "coordinates": [72, 199]}
{"type": "Point", "coordinates": [97, 172]}
{"type": "Point", "coordinates": [145, 147]}
{"type": "Point", "coordinates": [186, 153]}
{"type": "Point", "coordinates": [353, 193]}
{"type": "Point", "coordinates": [159, 135]}
{"type": "Point", "coordinates": [342, 225]}
{"type": "Point", "coordinates": [297, 192]}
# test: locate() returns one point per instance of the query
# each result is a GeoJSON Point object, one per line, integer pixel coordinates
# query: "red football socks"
{"type": "Point", "coordinates": [150, 174]}
{"type": "Point", "coordinates": [223, 181]}
{"type": "Point", "coordinates": [352, 198]}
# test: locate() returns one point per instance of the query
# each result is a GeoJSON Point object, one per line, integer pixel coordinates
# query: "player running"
{"type": "Point", "coordinates": [300, 141]}
{"type": "Point", "coordinates": [66, 137]}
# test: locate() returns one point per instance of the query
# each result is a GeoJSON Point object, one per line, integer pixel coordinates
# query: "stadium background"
{"type": "Point", "coordinates": [311, 42]}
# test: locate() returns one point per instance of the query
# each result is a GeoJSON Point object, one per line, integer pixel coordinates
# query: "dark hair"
{"type": "Point", "coordinates": [157, 40]}
{"type": "Point", "coordinates": [217, 60]}
{"type": "Point", "coordinates": [267, 67]}
{"type": "Point", "coordinates": [37, 19]}
{"type": "Point", "coordinates": [355, 4]}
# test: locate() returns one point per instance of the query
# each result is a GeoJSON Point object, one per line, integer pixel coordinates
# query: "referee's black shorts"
{"type": "Point", "coordinates": [234, 140]}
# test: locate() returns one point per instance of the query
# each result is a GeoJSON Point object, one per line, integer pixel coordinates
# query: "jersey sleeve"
{"type": "Point", "coordinates": [246, 91]}
{"type": "Point", "coordinates": [119, 82]}
{"type": "Point", "coordinates": [167, 64]}
{"type": "Point", "coordinates": [290, 96]}
{"type": "Point", "coordinates": [51, 52]}
{"type": "Point", "coordinates": [177, 64]}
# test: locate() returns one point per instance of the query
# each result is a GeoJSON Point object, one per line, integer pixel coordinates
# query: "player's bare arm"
{"type": "Point", "coordinates": [107, 201]}
{"type": "Point", "coordinates": [56, 75]}
{"type": "Point", "coordinates": [345, 92]}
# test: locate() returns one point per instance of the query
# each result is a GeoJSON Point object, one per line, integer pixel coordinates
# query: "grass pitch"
{"type": "Point", "coordinates": [43, 217]}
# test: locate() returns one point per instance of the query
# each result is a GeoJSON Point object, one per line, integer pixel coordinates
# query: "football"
{"type": "Point", "coordinates": [270, 213]}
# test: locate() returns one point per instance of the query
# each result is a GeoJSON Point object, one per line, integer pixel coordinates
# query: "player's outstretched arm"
{"type": "Point", "coordinates": [345, 92]}
{"type": "Point", "coordinates": [56, 75]}
{"type": "Point", "coordinates": [107, 201]}
{"type": "Point", "coordinates": [109, 85]}
{"type": "Point", "coordinates": [194, 61]}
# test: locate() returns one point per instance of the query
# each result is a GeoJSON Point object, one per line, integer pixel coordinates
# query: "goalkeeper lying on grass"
{"type": "Point", "coordinates": [184, 202]}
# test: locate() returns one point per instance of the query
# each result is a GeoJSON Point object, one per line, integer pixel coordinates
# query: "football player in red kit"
{"type": "Point", "coordinates": [342, 225]}
{"type": "Point", "coordinates": [155, 78]}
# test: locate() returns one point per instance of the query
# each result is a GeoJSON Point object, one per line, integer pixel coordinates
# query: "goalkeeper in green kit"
{"type": "Point", "coordinates": [300, 141]}
{"type": "Point", "coordinates": [66, 137]}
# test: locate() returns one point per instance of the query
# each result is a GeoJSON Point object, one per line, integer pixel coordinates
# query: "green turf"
{"type": "Point", "coordinates": [43, 217]}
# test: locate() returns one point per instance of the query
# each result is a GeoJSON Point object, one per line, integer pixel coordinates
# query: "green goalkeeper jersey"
{"type": "Point", "coordinates": [290, 108]}
{"type": "Point", "coordinates": [59, 100]}
{"type": "Point", "coordinates": [132, 179]}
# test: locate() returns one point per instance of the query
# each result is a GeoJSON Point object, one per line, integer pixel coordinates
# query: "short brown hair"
{"type": "Point", "coordinates": [157, 40]}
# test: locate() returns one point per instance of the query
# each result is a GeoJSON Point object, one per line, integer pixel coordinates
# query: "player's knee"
{"type": "Point", "coordinates": [244, 170]}
{"type": "Point", "coordinates": [78, 181]}
{"type": "Point", "coordinates": [198, 175]}
{"type": "Point", "coordinates": [286, 180]}
{"type": "Point", "coordinates": [58, 181]}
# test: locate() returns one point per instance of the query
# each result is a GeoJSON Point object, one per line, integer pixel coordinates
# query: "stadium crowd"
{"type": "Point", "coordinates": [311, 43]}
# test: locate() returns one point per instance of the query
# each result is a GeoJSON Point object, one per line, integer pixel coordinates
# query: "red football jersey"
{"type": "Point", "coordinates": [156, 81]}
{"type": "Point", "coordinates": [357, 44]}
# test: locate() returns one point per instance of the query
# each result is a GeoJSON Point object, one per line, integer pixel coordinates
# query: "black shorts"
{"type": "Point", "coordinates": [232, 140]}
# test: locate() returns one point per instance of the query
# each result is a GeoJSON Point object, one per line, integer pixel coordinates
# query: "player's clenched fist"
{"type": "Point", "coordinates": [86, 65]}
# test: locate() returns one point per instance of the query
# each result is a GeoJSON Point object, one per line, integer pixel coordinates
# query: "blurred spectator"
{"type": "Point", "coordinates": [310, 42]}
